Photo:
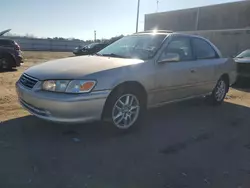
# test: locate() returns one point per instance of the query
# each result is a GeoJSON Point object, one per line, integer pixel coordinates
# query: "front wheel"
{"type": "Point", "coordinates": [219, 92]}
{"type": "Point", "coordinates": [125, 109]}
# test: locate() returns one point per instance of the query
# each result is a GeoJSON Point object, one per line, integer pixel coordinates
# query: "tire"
{"type": "Point", "coordinates": [219, 92]}
{"type": "Point", "coordinates": [125, 109]}
{"type": "Point", "coordinates": [6, 62]}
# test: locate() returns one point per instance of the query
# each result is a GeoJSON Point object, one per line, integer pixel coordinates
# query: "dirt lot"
{"type": "Point", "coordinates": [189, 144]}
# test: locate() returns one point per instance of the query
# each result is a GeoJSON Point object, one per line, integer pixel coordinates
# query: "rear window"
{"type": "Point", "coordinates": [203, 50]}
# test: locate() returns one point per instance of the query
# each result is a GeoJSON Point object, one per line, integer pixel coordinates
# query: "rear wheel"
{"type": "Point", "coordinates": [219, 92]}
{"type": "Point", "coordinates": [5, 62]}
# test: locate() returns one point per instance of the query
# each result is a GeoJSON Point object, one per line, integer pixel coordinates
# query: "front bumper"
{"type": "Point", "coordinates": [61, 107]}
{"type": "Point", "coordinates": [243, 75]}
{"type": "Point", "coordinates": [19, 61]}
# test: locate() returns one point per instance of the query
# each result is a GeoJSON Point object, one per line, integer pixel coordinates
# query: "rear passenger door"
{"type": "Point", "coordinates": [204, 72]}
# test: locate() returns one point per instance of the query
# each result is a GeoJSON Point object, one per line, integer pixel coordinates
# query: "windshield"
{"type": "Point", "coordinates": [244, 54]}
{"type": "Point", "coordinates": [135, 46]}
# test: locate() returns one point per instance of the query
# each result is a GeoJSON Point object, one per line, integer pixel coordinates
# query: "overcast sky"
{"type": "Point", "coordinates": [79, 18]}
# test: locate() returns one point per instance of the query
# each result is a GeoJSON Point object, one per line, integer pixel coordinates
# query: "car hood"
{"type": "Point", "coordinates": [77, 67]}
{"type": "Point", "coordinates": [242, 60]}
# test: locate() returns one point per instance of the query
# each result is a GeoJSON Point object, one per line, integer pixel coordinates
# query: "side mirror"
{"type": "Point", "coordinates": [170, 57]}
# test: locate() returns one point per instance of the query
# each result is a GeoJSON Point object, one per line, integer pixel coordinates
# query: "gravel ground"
{"type": "Point", "coordinates": [189, 144]}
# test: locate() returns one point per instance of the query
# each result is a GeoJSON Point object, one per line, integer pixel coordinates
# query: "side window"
{"type": "Point", "coordinates": [178, 47]}
{"type": "Point", "coordinates": [203, 50]}
{"type": "Point", "coordinates": [5, 42]}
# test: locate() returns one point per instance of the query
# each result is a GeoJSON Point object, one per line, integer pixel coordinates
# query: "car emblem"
{"type": "Point", "coordinates": [24, 81]}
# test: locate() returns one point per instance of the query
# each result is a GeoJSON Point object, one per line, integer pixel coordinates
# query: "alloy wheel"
{"type": "Point", "coordinates": [3, 63]}
{"type": "Point", "coordinates": [126, 111]}
{"type": "Point", "coordinates": [220, 90]}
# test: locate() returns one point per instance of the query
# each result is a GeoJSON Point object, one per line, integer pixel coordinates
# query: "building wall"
{"type": "Point", "coordinates": [226, 25]}
{"type": "Point", "coordinates": [174, 20]}
{"type": "Point", "coordinates": [223, 16]}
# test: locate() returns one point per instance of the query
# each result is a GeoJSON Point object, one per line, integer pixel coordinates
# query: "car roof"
{"type": "Point", "coordinates": [94, 43]}
{"type": "Point", "coordinates": [167, 32]}
{"type": "Point", "coordinates": [155, 32]}
{"type": "Point", "coordinates": [170, 33]}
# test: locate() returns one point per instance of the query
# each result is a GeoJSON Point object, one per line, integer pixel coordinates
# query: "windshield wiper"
{"type": "Point", "coordinates": [112, 55]}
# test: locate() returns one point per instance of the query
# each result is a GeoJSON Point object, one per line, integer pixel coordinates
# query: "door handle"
{"type": "Point", "coordinates": [192, 71]}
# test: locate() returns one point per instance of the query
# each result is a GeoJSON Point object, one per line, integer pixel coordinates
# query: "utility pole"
{"type": "Point", "coordinates": [157, 4]}
{"type": "Point", "coordinates": [197, 19]}
{"type": "Point", "coordinates": [94, 35]}
{"type": "Point", "coordinates": [137, 19]}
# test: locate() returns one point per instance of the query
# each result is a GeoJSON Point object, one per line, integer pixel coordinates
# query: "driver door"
{"type": "Point", "coordinates": [174, 69]}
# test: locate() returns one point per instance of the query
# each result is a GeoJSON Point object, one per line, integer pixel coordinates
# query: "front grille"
{"type": "Point", "coordinates": [243, 67]}
{"type": "Point", "coordinates": [28, 81]}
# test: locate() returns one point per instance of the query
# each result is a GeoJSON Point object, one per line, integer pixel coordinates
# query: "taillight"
{"type": "Point", "coordinates": [17, 47]}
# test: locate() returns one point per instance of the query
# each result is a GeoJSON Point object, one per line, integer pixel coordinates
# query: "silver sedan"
{"type": "Point", "coordinates": [119, 83]}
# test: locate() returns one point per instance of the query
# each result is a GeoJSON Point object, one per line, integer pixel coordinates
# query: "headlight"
{"type": "Point", "coordinates": [69, 86]}
{"type": "Point", "coordinates": [80, 86]}
{"type": "Point", "coordinates": [55, 85]}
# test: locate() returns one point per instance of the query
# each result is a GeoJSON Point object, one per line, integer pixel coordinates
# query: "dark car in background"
{"type": "Point", "coordinates": [89, 49]}
{"type": "Point", "coordinates": [10, 53]}
{"type": "Point", "coordinates": [243, 64]}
